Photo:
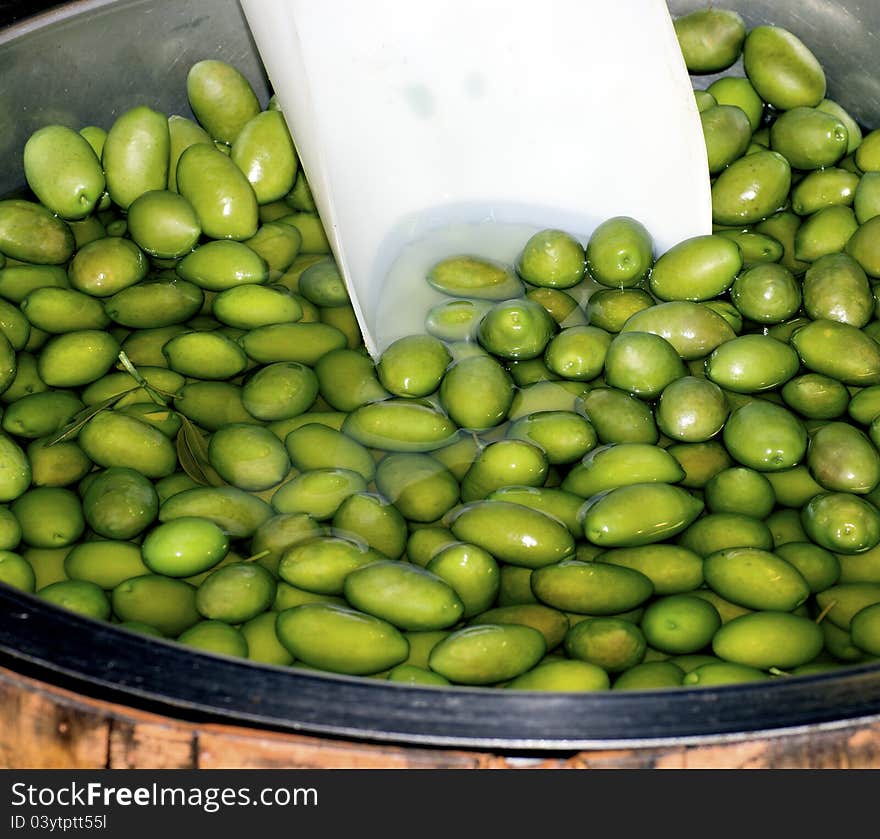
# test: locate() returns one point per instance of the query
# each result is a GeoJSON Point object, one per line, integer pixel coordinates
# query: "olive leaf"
{"type": "Point", "coordinates": [158, 391]}
{"type": "Point", "coordinates": [78, 420]}
{"type": "Point", "coordinates": [156, 394]}
{"type": "Point", "coordinates": [192, 452]}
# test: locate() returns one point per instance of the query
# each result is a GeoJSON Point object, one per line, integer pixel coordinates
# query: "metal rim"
{"type": "Point", "coordinates": [106, 662]}
{"type": "Point", "coordinates": [38, 15]}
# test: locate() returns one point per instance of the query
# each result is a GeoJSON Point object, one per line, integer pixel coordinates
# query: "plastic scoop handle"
{"type": "Point", "coordinates": [410, 116]}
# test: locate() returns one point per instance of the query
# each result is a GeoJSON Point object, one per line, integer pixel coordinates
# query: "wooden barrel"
{"type": "Point", "coordinates": [43, 726]}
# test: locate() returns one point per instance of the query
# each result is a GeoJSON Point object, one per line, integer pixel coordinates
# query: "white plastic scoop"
{"type": "Point", "coordinates": [430, 129]}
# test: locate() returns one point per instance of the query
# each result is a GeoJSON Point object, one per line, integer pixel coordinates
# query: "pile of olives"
{"type": "Point", "coordinates": [597, 468]}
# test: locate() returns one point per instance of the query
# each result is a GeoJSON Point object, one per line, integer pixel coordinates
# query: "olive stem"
{"type": "Point", "coordinates": [821, 616]}
{"type": "Point", "coordinates": [257, 556]}
{"type": "Point", "coordinates": [125, 361]}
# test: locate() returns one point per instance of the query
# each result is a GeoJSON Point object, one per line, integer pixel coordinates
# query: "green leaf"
{"type": "Point", "coordinates": [156, 394]}
{"type": "Point", "coordinates": [78, 420]}
{"type": "Point", "coordinates": [192, 453]}
{"type": "Point", "coordinates": [158, 391]}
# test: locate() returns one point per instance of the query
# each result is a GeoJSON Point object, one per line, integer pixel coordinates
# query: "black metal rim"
{"type": "Point", "coordinates": [103, 661]}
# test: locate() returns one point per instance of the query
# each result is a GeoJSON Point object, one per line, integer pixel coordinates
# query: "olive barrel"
{"type": "Point", "coordinates": [185, 707]}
